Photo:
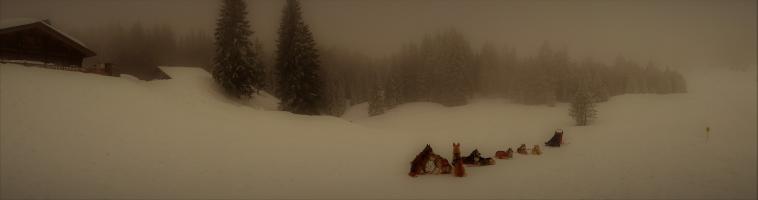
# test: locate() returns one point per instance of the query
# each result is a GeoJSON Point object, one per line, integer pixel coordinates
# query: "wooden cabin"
{"type": "Point", "coordinates": [37, 40]}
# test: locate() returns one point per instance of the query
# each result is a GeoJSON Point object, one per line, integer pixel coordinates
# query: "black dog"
{"type": "Point", "coordinates": [476, 159]}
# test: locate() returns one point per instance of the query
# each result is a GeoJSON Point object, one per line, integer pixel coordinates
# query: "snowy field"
{"type": "Point", "coordinates": [74, 135]}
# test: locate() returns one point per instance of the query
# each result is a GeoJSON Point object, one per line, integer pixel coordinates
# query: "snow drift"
{"type": "Point", "coordinates": [73, 135]}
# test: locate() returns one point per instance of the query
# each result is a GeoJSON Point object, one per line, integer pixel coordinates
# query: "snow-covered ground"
{"type": "Point", "coordinates": [74, 135]}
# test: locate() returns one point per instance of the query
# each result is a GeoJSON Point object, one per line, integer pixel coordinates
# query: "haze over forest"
{"type": "Point", "coordinates": [334, 99]}
{"type": "Point", "coordinates": [671, 33]}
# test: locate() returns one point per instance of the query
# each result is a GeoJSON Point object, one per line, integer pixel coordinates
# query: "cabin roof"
{"type": "Point", "coordinates": [16, 24]}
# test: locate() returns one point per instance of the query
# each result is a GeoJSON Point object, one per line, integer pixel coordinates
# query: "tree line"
{"type": "Point", "coordinates": [442, 67]}
{"type": "Point", "coordinates": [138, 49]}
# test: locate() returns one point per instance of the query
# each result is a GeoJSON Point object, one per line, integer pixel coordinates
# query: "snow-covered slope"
{"type": "Point", "coordinates": [73, 135]}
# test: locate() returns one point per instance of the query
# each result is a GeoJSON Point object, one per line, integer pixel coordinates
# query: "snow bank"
{"type": "Point", "coordinates": [74, 135]}
{"type": "Point", "coordinates": [356, 112]}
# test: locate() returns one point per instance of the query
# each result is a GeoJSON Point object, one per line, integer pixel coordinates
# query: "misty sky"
{"type": "Point", "coordinates": [675, 33]}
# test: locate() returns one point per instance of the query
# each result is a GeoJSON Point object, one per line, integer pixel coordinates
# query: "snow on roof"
{"type": "Point", "coordinates": [15, 22]}
{"type": "Point", "coordinates": [66, 35]}
{"type": "Point", "coordinates": [181, 72]}
{"type": "Point", "coordinates": [9, 23]}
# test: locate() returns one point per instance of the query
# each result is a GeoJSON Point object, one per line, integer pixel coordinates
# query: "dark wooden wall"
{"type": "Point", "coordinates": [38, 44]}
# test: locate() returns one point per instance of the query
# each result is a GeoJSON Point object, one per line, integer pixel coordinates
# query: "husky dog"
{"type": "Point", "coordinates": [536, 150]}
{"type": "Point", "coordinates": [458, 169]}
{"type": "Point", "coordinates": [418, 165]}
{"type": "Point", "coordinates": [427, 162]}
{"type": "Point", "coordinates": [486, 161]}
{"type": "Point", "coordinates": [476, 159]}
{"type": "Point", "coordinates": [522, 149]}
{"type": "Point", "coordinates": [441, 165]}
{"type": "Point", "coordinates": [473, 158]}
{"type": "Point", "coordinates": [504, 154]}
{"type": "Point", "coordinates": [556, 140]}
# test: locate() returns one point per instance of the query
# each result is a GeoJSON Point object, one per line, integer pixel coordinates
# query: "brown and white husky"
{"type": "Point", "coordinates": [458, 169]}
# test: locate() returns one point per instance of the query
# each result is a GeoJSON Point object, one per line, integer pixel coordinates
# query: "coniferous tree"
{"type": "Point", "coordinates": [488, 69]}
{"type": "Point", "coordinates": [679, 85]}
{"type": "Point", "coordinates": [393, 89]}
{"type": "Point", "coordinates": [378, 103]}
{"type": "Point", "coordinates": [236, 65]}
{"type": "Point", "coordinates": [510, 64]}
{"type": "Point", "coordinates": [452, 76]}
{"type": "Point", "coordinates": [409, 69]}
{"type": "Point", "coordinates": [334, 98]}
{"type": "Point", "coordinates": [196, 48]}
{"type": "Point", "coordinates": [297, 63]}
{"type": "Point", "coordinates": [582, 107]}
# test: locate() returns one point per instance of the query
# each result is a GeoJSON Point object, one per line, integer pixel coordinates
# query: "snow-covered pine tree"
{"type": "Point", "coordinates": [453, 82]}
{"type": "Point", "coordinates": [378, 103]}
{"type": "Point", "coordinates": [264, 60]}
{"type": "Point", "coordinates": [236, 66]}
{"type": "Point", "coordinates": [393, 89]}
{"type": "Point", "coordinates": [411, 74]}
{"type": "Point", "coordinates": [488, 71]}
{"type": "Point", "coordinates": [582, 106]}
{"type": "Point", "coordinates": [679, 85]}
{"type": "Point", "coordinates": [297, 64]}
{"type": "Point", "coordinates": [334, 99]}
{"type": "Point", "coordinates": [597, 87]}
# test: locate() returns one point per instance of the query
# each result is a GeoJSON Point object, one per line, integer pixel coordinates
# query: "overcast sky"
{"type": "Point", "coordinates": [679, 33]}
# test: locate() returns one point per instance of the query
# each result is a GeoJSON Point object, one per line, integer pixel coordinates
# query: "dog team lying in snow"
{"type": "Point", "coordinates": [427, 162]}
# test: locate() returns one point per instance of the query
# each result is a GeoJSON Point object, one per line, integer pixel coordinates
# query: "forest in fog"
{"type": "Point", "coordinates": [451, 62]}
{"type": "Point", "coordinates": [140, 48]}
{"type": "Point", "coordinates": [390, 99]}
{"type": "Point", "coordinates": [417, 52]}
{"type": "Point", "coordinates": [442, 67]}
